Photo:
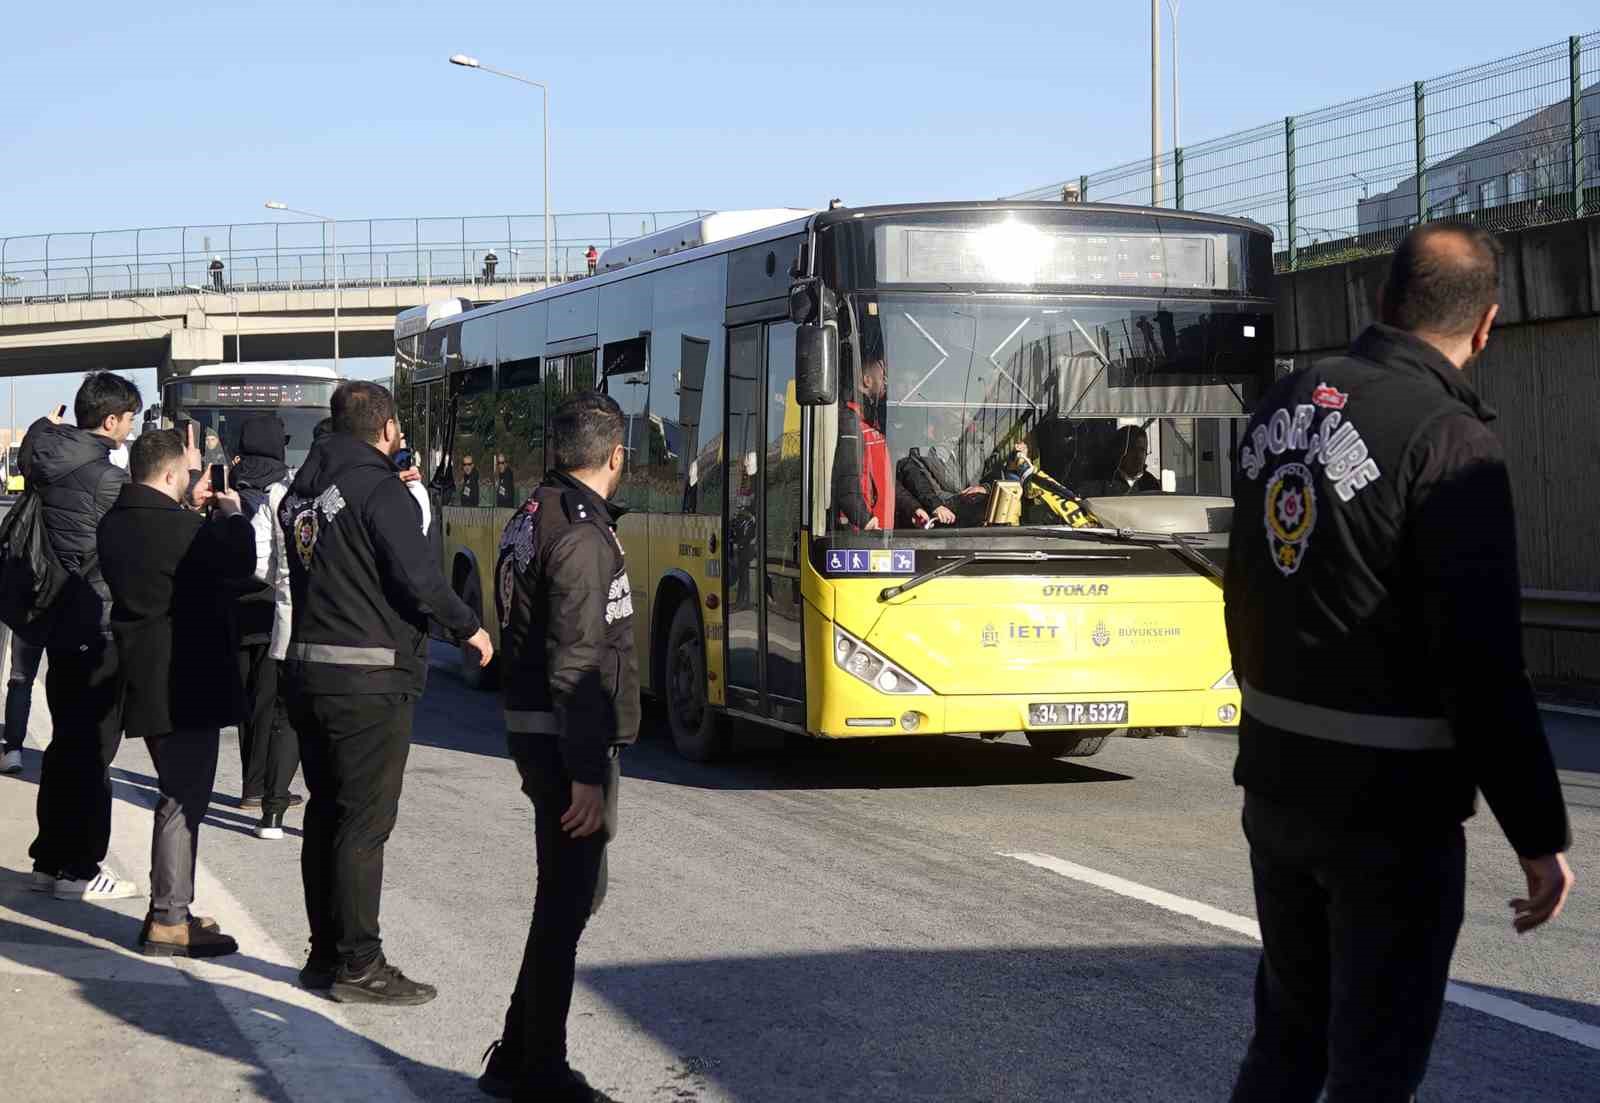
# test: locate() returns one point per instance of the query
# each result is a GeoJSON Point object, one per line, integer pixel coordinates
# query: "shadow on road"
{"type": "Point", "coordinates": [1115, 1022]}
{"type": "Point", "coordinates": [141, 995]}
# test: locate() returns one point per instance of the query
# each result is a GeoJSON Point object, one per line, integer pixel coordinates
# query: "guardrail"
{"type": "Point", "coordinates": [289, 255]}
{"type": "Point", "coordinates": [1567, 610]}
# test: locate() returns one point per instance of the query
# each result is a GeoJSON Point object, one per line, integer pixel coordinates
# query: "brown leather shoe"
{"type": "Point", "coordinates": [191, 939]}
{"type": "Point", "coordinates": [204, 920]}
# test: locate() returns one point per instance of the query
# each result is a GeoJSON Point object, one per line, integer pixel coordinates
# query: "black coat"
{"type": "Point", "coordinates": [77, 485]}
{"type": "Point", "coordinates": [566, 626]}
{"type": "Point", "coordinates": [173, 575]}
{"type": "Point", "coordinates": [1372, 590]}
{"type": "Point", "coordinates": [365, 581]}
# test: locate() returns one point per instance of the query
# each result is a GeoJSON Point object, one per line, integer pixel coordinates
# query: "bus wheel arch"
{"type": "Point", "coordinates": [697, 729]}
{"type": "Point", "coordinates": [464, 580]}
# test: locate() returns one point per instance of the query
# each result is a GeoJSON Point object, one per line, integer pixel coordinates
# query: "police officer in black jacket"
{"type": "Point", "coordinates": [364, 585]}
{"type": "Point", "coordinates": [1373, 609]}
{"type": "Point", "coordinates": [571, 703]}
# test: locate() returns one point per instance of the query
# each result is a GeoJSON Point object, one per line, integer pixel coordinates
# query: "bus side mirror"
{"type": "Point", "coordinates": [816, 365]}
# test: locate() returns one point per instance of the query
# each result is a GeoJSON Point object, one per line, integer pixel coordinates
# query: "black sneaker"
{"type": "Point", "coordinates": [499, 1078]}
{"type": "Point", "coordinates": [382, 983]}
{"type": "Point", "coordinates": [296, 800]}
{"type": "Point", "coordinates": [557, 1084]}
{"type": "Point", "coordinates": [271, 826]}
{"type": "Point", "coordinates": [318, 975]}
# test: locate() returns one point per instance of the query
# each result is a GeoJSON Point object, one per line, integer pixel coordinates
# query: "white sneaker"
{"type": "Point", "coordinates": [106, 886]}
{"type": "Point", "coordinates": [11, 762]}
{"type": "Point", "coordinates": [43, 882]}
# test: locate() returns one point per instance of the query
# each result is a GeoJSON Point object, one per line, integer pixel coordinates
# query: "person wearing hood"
{"type": "Point", "coordinates": [364, 587]}
{"type": "Point", "coordinates": [68, 466]}
{"type": "Point", "coordinates": [269, 750]}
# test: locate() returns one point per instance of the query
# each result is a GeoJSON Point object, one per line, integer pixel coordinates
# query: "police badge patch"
{"type": "Point", "coordinates": [1291, 514]}
{"type": "Point", "coordinates": [306, 527]}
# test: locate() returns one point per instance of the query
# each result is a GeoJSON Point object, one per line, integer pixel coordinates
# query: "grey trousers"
{"type": "Point", "coordinates": [186, 764]}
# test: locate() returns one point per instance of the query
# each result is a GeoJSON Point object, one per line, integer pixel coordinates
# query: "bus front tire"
{"type": "Point", "coordinates": [1079, 744]}
{"type": "Point", "coordinates": [697, 729]}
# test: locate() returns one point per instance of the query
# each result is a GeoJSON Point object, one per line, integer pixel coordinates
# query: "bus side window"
{"type": "Point", "coordinates": [520, 404]}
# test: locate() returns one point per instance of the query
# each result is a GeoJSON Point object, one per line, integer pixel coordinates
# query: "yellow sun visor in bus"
{"type": "Point", "coordinates": [1013, 251]}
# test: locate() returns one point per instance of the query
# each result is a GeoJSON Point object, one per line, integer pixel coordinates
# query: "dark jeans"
{"type": "Point", "coordinates": [572, 886]}
{"type": "Point", "coordinates": [1357, 929]}
{"type": "Point", "coordinates": [186, 764]}
{"type": "Point", "coordinates": [74, 806]}
{"type": "Point", "coordinates": [353, 750]}
{"type": "Point", "coordinates": [19, 690]}
{"type": "Point", "coordinates": [269, 750]}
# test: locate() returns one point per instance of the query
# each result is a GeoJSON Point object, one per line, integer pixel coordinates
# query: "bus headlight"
{"type": "Point", "coordinates": [1227, 681]}
{"type": "Point", "coordinates": [860, 661]}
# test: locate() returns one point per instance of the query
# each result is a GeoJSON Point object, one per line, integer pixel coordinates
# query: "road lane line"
{"type": "Point", "coordinates": [1460, 994]}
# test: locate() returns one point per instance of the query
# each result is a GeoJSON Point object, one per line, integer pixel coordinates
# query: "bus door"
{"type": "Point", "coordinates": [762, 525]}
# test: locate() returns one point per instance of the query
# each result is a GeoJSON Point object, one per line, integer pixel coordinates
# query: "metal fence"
{"type": "Point", "coordinates": [1507, 144]}
{"type": "Point", "coordinates": [287, 255]}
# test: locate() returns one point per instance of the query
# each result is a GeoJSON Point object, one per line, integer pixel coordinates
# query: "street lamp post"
{"type": "Point", "coordinates": [274, 205]}
{"type": "Point", "coordinates": [473, 63]}
{"type": "Point", "coordinates": [1172, 10]}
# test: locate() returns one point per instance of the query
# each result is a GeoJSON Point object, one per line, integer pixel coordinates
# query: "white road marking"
{"type": "Point", "coordinates": [1463, 996]}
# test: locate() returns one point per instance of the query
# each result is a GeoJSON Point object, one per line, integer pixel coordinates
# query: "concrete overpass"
{"type": "Point", "coordinates": [142, 298]}
{"type": "Point", "coordinates": [175, 332]}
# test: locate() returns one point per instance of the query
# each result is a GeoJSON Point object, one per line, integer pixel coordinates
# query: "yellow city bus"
{"type": "Point", "coordinates": [15, 483]}
{"type": "Point", "coordinates": [761, 589]}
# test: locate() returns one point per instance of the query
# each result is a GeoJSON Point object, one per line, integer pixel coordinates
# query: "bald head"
{"type": "Point", "coordinates": [1443, 282]}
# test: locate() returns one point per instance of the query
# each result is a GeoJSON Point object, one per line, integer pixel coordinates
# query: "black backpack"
{"type": "Point", "coordinates": [31, 577]}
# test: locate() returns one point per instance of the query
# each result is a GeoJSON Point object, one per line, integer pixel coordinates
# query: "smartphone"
{"type": "Point", "coordinates": [403, 459]}
{"type": "Point", "coordinates": [219, 478]}
{"type": "Point", "coordinates": [61, 410]}
{"type": "Point", "coordinates": [181, 427]}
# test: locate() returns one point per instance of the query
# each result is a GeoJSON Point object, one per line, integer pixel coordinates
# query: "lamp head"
{"type": "Point", "coordinates": [274, 205]}
{"type": "Point", "coordinates": [464, 61]}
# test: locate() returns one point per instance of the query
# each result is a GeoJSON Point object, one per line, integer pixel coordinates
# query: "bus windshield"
{"type": "Point", "coordinates": [222, 406]}
{"type": "Point", "coordinates": [949, 385]}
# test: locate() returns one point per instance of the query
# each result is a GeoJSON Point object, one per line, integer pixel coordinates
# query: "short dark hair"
{"type": "Point", "coordinates": [153, 452]}
{"type": "Point", "coordinates": [583, 431]}
{"type": "Point", "coordinates": [1443, 277]}
{"type": "Point", "coordinates": [102, 395]}
{"type": "Point", "coordinates": [361, 409]}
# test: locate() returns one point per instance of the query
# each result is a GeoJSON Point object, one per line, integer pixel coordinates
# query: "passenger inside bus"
{"type": "Point", "coordinates": [1124, 470]}
{"type": "Point", "coordinates": [863, 487]}
{"type": "Point", "coordinates": [930, 490]}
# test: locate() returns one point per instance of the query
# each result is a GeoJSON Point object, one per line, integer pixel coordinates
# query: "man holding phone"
{"type": "Point", "coordinates": [173, 575]}
{"type": "Point", "coordinates": [364, 586]}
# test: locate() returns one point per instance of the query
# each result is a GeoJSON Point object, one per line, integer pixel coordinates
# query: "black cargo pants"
{"type": "Point", "coordinates": [572, 886]}
{"type": "Point", "coordinates": [1357, 929]}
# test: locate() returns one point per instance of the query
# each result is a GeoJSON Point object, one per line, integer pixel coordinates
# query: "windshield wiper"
{"type": "Point", "coordinates": [1180, 546]}
{"type": "Point", "coordinates": [960, 561]}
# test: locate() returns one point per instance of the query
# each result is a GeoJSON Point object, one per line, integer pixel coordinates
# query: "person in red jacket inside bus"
{"type": "Point", "coordinates": [863, 479]}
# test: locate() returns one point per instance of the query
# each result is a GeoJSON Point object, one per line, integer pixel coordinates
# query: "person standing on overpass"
{"type": "Point", "coordinates": [1374, 613]}
{"type": "Point", "coordinates": [215, 268]}
{"type": "Point", "coordinates": [364, 585]}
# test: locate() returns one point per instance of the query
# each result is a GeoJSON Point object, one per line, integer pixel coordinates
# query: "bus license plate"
{"type": "Point", "coordinates": [1073, 714]}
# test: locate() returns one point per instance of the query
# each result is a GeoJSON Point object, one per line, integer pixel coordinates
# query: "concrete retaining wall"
{"type": "Point", "coordinates": [1542, 371]}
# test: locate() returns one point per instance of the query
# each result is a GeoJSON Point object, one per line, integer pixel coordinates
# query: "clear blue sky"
{"type": "Point", "coordinates": [121, 116]}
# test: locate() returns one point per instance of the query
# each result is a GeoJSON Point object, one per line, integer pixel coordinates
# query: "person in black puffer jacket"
{"type": "Point", "coordinates": [68, 467]}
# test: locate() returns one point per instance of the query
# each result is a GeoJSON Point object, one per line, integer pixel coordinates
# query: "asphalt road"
{"type": "Point", "coordinates": [841, 921]}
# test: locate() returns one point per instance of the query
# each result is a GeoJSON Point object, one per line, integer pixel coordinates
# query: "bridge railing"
{"type": "Point", "coordinates": [290, 254]}
{"type": "Point", "coordinates": [1507, 144]}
